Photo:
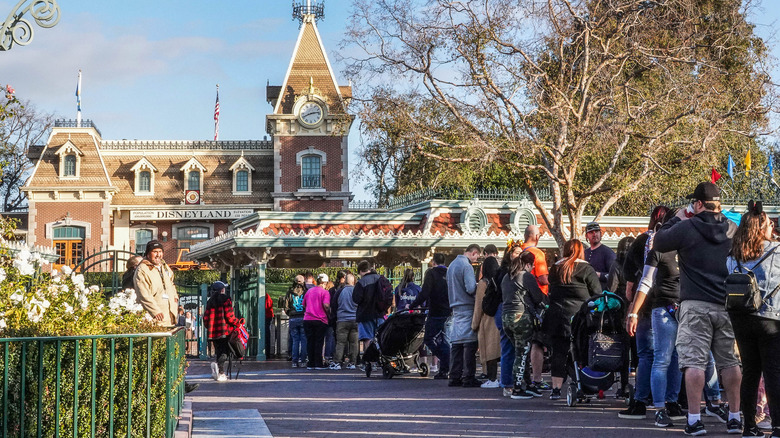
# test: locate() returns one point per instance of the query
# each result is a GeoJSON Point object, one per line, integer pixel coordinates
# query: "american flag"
{"type": "Point", "coordinates": [216, 117]}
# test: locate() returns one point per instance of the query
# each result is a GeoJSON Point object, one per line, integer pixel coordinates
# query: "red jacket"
{"type": "Point", "coordinates": [219, 318]}
{"type": "Point", "coordinates": [269, 307]}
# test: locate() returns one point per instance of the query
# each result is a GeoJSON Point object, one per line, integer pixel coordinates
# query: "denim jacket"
{"type": "Point", "coordinates": [768, 277]}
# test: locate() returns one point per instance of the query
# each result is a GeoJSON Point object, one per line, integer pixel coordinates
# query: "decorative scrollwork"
{"type": "Point", "coordinates": [18, 30]}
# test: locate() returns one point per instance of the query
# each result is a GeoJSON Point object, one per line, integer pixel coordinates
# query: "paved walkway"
{"type": "Point", "coordinates": [299, 403]}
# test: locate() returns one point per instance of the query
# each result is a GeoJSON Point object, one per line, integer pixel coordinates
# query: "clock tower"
{"type": "Point", "coordinates": [310, 126]}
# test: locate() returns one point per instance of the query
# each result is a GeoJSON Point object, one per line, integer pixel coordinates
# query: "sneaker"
{"type": "Point", "coordinates": [441, 376]}
{"type": "Point", "coordinates": [334, 366]}
{"type": "Point", "coordinates": [734, 426]}
{"type": "Point", "coordinates": [490, 384]}
{"type": "Point", "coordinates": [542, 385]}
{"type": "Point", "coordinates": [662, 419]}
{"type": "Point", "coordinates": [214, 371]}
{"type": "Point", "coordinates": [752, 431]}
{"type": "Point", "coordinates": [521, 394]}
{"type": "Point", "coordinates": [721, 412]}
{"type": "Point", "coordinates": [636, 411]}
{"type": "Point", "coordinates": [506, 392]}
{"type": "Point", "coordinates": [765, 423]}
{"type": "Point", "coordinates": [351, 366]}
{"type": "Point", "coordinates": [695, 429]}
{"type": "Point", "coordinates": [295, 364]}
{"type": "Point", "coordinates": [675, 411]}
{"type": "Point", "coordinates": [222, 378]}
{"type": "Point", "coordinates": [555, 394]}
{"type": "Point", "coordinates": [455, 382]}
{"type": "Point", "coordinates": [533, 390]}
{"type": "Point", "coordinates": [472, 383]}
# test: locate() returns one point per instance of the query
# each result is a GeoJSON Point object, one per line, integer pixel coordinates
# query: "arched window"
{"type": "Point", "coordinates": [145, 181]}
{"type": "Point", "coordinates": [242, 181]}
{"type": "Point", "coordinates": [142, 237]}
{"type": "Point", "coordinates": [193, 180]}
{"type": "Point", "coordinates": [69, 163]}
{"type": "Point", "coordinates": [188, 236]}
{"type": "Point", "coordinates": [69, 245]}
{"type": "Point", "coordinates": [311, 172]}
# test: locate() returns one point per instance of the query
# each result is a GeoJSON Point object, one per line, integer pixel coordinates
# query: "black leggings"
{"type": "Point", "coordinates": [492, 369]}
{"type": "Point", "coordinates": [560, 349]}
{"type": "Point", "coordinates": [758, 340]}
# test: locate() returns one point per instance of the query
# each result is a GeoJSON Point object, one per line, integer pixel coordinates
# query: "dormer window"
{"type": "Point", "coordinates": [193, 181]}
{"type": "Point", "coordinates": [242, 176]}
{"type": "Point", "coordinates": [70, 160]}
{"type": "Point", "coordinates": [144, 177]}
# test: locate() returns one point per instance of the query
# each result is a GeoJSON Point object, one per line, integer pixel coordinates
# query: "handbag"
{"type": "Point", "coordinates": [239, 339]}
{"type": "Point", "coordinates": [605, 351]}
{"type": "Point", "coordinates": [742, 292]}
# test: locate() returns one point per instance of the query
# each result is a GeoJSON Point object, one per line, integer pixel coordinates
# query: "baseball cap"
{"type": "Point", "coordinates": [218, 285]}
{"type": "Point", "coordinates": [152, 245]}
{"type": "Point", "coordinates": [323, 277]}
{"type": "Point", "coordinates": [592, 226]}
{"type": "Point", "coordinates": [705, 191]}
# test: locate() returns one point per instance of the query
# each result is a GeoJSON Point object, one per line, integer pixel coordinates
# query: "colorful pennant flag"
{"type": "Point", "coordinates": [770, 168]}
{"type": "Point", "coordinates": [715, 176]}
{"type": "Point", "coordinates": [748, 162]}
{"type": "Point", "coordinates": [78, 101]}
{"type": "Point", "coordinates": [730, 167]}
{"type": "Point", "coordinates": [216, 117]}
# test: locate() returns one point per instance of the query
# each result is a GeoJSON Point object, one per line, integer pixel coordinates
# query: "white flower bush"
{"type": "Point", "coordinates": [33, 303]}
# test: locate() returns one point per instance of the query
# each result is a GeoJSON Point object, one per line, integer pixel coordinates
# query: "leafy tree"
{"type": "Point", "coordinates": [599, 100]}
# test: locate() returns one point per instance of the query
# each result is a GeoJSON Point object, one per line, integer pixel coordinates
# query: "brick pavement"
{"type": "Point", "coordinates": [301, 403]}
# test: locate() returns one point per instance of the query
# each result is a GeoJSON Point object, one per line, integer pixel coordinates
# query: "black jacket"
{"type": "Point", "coordinates": [434, 293]}
{"type": "Point", "coordinates": [365, 296]}
{"type": "Point", "coordinates": [702, 242]}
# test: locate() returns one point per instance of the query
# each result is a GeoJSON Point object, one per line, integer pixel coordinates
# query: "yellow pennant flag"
{"type": "Point", "coordinates": [748, 162]}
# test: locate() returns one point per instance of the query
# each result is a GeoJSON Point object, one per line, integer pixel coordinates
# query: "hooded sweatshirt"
{"type": "Point", "coordinates": [702, 242]}
{"type": "Point", "coordinates": [434, 293]}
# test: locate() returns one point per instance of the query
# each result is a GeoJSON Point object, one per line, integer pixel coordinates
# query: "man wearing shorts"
{"type": "Point", "coordinates": [703, 242]}
{"type": "Point", "coordinates": [365, 295]}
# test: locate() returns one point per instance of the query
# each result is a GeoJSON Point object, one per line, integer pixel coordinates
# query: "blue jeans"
{"type": "Point", "coordinates": [298, 340]}
{"type": "Point", "coordinates": [330, 342]}
{"type": "Point", "coordinates": [666, 376]}
{"type": "Point", "coordinates": [711, 385]}
{"type": "Point", "coordinates": [437, 340]}
{"type": "Point", "coordinates": [507, 353]}
{"type": "Point", "coordinates": [644, 347]}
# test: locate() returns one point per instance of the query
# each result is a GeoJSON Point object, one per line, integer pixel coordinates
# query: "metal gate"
{"type": "Point", "coordinates": [191, 298]}
{"type": "Point", "coordinates": [244, 295]}
{"type": "Point", "coordinates": [110, 262]}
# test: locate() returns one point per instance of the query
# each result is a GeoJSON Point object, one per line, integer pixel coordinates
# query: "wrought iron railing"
{"type": "Point", "coordinates": [312, 181]}
{"type": "Point", "coordinates": [67, 123]}
{"type": "Point", "coordinates": [92, 385]}
{"type": "Point", "coordinates": [453, 193]}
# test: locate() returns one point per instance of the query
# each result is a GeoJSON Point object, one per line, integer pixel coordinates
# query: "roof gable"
{"type": "Point", "coordinates": [68, 148]}
{"type": "Point", "coordinates": [193, 163]}
{"type": "Point", "coordinates": [241, 162]}
{"type": "Point", "coordinates": [143, 163]}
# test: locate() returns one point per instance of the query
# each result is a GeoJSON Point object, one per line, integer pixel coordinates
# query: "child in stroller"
{"type": "Point", "coordinates": [599, 348]}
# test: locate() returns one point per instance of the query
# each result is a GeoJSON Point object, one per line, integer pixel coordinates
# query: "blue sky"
{"type": "Point", "coordinates": [150, 67]}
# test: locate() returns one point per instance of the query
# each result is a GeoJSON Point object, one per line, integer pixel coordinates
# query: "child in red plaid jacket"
{"type": "Point", "coordinates": [220, 321]}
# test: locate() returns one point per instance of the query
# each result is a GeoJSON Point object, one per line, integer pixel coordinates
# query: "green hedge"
{"type": "Point", "coordinates": [103, 400]}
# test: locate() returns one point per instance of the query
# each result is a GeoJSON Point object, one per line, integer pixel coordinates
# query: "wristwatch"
{"type": "Point", "coordinates": [633, 315]}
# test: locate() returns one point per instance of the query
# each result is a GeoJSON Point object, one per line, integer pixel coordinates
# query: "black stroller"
{"type": "Point", "coordinates": [395, 348]}
{"type": "Point", "coordinates": [599, 348]}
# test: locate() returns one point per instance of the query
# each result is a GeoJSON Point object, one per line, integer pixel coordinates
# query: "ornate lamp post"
{"type": "Point", "coordinates": [18, 30]}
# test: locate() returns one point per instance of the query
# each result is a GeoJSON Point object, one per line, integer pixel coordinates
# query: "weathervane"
{"type": "Point", "coordinates": [308, 10]}
{"type": "Point", "coordinates": [17, 30]}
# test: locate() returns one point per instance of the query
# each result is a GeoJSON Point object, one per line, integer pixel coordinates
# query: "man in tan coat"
{"type": "Point", "coordinates": [154, 286]}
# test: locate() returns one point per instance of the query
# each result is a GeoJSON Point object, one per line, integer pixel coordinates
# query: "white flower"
{"type": "Point", "coordinates": [2, 275]}
{"type": "Point", "coordinates": [3, 325]}
{"type": "Point", "coordinates": [68, 308]}
{"type": "Point", "coordinates": [17, 297]}
{"type": "Point", "coordinates": [23, 255]}
{"type": "Point", "coordinates": [66, 270]}
{"type": "Point", "coordinates": [78, 279]}
{"type": "Point", "coordinates": [24, 267]}
{"type": "Point", "coordinates": [94, 288]}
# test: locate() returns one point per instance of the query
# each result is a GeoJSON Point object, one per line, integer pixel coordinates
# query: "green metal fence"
{"type": "Point", "coordinates": [104, 385]}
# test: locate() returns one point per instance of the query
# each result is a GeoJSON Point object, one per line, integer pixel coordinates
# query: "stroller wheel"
{"type": "Point", "coordinates": [630, 390]}
{"type": "Point", "coordinates": [571, 395]}
{"type": "Point", "coordinates": [423, 369]}
{"type": "Point", "coordinates": [368, 369]}
{"type": "Point", "coordinates": [387, 372]}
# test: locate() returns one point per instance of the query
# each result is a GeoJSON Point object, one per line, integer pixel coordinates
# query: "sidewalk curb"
{"type": "Point", "coordinates": [184, 427]}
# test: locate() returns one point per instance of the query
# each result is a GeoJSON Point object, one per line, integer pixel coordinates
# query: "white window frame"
{"type": "Point", "coordinates": [143, 165]}
{"type": "Point", "coordinates": [193, 165]}
{"type": "Point", "coordinates": [242, 165]}
{"type": "Point", "coordinates": [65, 150]}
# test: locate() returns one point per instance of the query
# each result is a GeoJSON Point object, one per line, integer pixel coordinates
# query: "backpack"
{"type": "Point", "coordinates": [492, 299]}
{"type": "Point", "coordinates": [742, 292]}
{"type": "Point", "coordinates": [384, 295]}
{"type": "Point", "coordinates": [239, 339]}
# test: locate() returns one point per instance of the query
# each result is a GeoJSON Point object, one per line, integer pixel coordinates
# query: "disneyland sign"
{"type": "Point", "coordinates": [175, 215]}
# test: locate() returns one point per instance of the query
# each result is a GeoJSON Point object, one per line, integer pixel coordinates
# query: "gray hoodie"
{"type": "Point", "coordinates": [702, 242]}
{"type": "Point", "coordinates": [461, 283]}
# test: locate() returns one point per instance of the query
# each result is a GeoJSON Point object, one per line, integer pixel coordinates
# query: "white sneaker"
{"type": "Point", "coordinates": [490, 384]}
{"type": "Point", "coordinates": [507, 392]}
{"type": "Point", "coordinates": [295, 364]}
{"type": "Point", "coordinates": [222, 378]}
{"type": "Point", "coordinates": [765, 423]}
{"type": "Point", "coordinates": [351, 366]}
{"type": "Point", "coordinates": [334, 366]}
{"type": "Point", "coordinates": [214, 370]}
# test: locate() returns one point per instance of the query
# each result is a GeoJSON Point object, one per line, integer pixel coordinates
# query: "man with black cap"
{"type": "Point", "coordinates": [154, 286]}
{"type": "Point", "coordinates": [599, 256]}
{"type": "Point", "coordinates": [702, 243]}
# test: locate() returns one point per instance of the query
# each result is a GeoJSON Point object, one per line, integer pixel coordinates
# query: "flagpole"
{"type": "Point", "coordinates": [78, 102]}
{"type": "Point", "coordinates": [216, 116]}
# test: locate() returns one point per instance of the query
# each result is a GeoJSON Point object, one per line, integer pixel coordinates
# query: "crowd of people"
{"type": "Point", "coordinates": [689, 338]}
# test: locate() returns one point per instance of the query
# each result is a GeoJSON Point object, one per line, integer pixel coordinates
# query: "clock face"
{"type": "Point", "coordinates": [310, 113]}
